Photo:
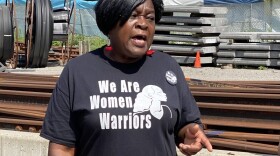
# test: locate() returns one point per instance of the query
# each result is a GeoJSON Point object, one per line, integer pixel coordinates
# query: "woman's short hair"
{"type": "Point", "coordinates": [110, 12]}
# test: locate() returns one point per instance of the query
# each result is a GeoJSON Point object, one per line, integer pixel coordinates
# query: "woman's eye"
{"type": "Point", "coordinates": [151, 18]}
{"type": "Point", "coordinates": [133, 16]}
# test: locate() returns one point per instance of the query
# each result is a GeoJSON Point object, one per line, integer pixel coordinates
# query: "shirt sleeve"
{"type": "Point", "coordinates": [189, 112]}
{"type": "Point", "coordinates": [57, 125]}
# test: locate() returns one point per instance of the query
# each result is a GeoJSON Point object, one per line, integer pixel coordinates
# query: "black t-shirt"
{"type": "Point", "coordinates": [105, 108]}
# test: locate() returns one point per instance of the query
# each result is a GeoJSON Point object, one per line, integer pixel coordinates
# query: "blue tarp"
{"type": "Point", "coordinates": [81, 4]}
{"type": "Point", "coordinates": [230, 1]}
{"type": "Point", "coordinates": [85, 17]}
{"type": "Point", "coordinates": [207, 2]}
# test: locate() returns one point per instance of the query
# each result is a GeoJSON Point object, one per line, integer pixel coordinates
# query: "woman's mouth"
{"type": "Point", "coordinates": [139, 41]}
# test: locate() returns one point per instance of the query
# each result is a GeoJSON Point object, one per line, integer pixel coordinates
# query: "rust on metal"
{"type": "Point", "coordinates": [231, 110]}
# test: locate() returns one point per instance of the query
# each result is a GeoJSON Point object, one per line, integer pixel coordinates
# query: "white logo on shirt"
{"type": "Point", "coordinates": [150, 100]}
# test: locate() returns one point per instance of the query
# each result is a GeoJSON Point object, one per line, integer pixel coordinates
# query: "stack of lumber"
{"type": "Point", "coordinates": [249, 48]}
{"type": "Point", "coordinates": [183, 31]}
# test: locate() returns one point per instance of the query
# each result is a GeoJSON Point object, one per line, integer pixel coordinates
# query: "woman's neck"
{"type": "Point", "coordinates": [113, 56]}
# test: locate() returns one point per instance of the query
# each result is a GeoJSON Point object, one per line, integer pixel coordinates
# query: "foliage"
{"type": "Point", "coordinates": [20, 39]}
{"type": "Point", "coordinates": [56, 43]}
{"type": "Point", "coordinates": [76, 39]}
{"type": "Point", "coordinates": [94, 41]}
{"type": "Point", "coordinates": [250, 67]}
{"type": "Point", "coordinates": [262, 68]}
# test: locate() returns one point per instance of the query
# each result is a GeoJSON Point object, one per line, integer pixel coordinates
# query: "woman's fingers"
{"type": "Point", "coordinates": [206, 143]}
{"type": "Point", "coordinates": [190, 149]}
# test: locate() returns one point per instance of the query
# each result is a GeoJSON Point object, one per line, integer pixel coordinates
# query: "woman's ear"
{"type": "Point", "coordinates": [108, 47]}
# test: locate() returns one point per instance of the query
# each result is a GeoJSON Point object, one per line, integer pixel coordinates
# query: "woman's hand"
{"type": "Point", "coordinates": [194, 140]}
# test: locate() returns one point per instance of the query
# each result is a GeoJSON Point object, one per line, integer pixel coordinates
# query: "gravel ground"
{"type": "Point", "coordinates": [216, 152]}
{"type": "Point", "coordinates": [204, 73]}
{"type": "Point", "coordinates": [216, 73]}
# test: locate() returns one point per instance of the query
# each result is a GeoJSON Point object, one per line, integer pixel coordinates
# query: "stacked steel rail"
{"type": "Point", "coordinates": [24, 100]}
{"type": "Point", "coordinates": [242, 116]}
{"type": "Point", "coordinates": [57, 53]}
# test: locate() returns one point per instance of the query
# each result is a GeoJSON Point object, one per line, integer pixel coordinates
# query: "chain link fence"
{"type": "Point", "coordinates": [254, 17]}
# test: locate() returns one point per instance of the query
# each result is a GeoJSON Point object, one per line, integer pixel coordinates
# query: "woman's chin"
{"type": "Point", "coordinates": [137, 51]}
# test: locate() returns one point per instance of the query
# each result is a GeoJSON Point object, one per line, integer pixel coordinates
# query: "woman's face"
{"type": "Point", "coordinates": [131, 41]}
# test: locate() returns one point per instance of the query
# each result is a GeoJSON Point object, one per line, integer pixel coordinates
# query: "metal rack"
{"type": "Point", "coordinates": [63, 30]}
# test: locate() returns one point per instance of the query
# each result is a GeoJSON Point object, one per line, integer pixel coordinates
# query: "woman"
{"type": "Point", "coordinates": [124, 99]}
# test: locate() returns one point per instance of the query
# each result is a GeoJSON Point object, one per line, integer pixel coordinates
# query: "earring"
{"type": "Point", "coordinates": [150, 52]}
{"type": "Point", "coordinates": [108, 47]}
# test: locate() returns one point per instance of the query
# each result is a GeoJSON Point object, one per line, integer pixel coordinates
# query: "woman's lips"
{"type": "Point", "coordinates": [138, 42]}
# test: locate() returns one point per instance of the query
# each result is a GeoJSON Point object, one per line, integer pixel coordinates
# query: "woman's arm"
{"type": "Point", "coordinates": [60, 150]}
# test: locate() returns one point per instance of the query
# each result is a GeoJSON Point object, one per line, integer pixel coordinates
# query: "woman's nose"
{"type": "Point", "coordinates": [141, 23]}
